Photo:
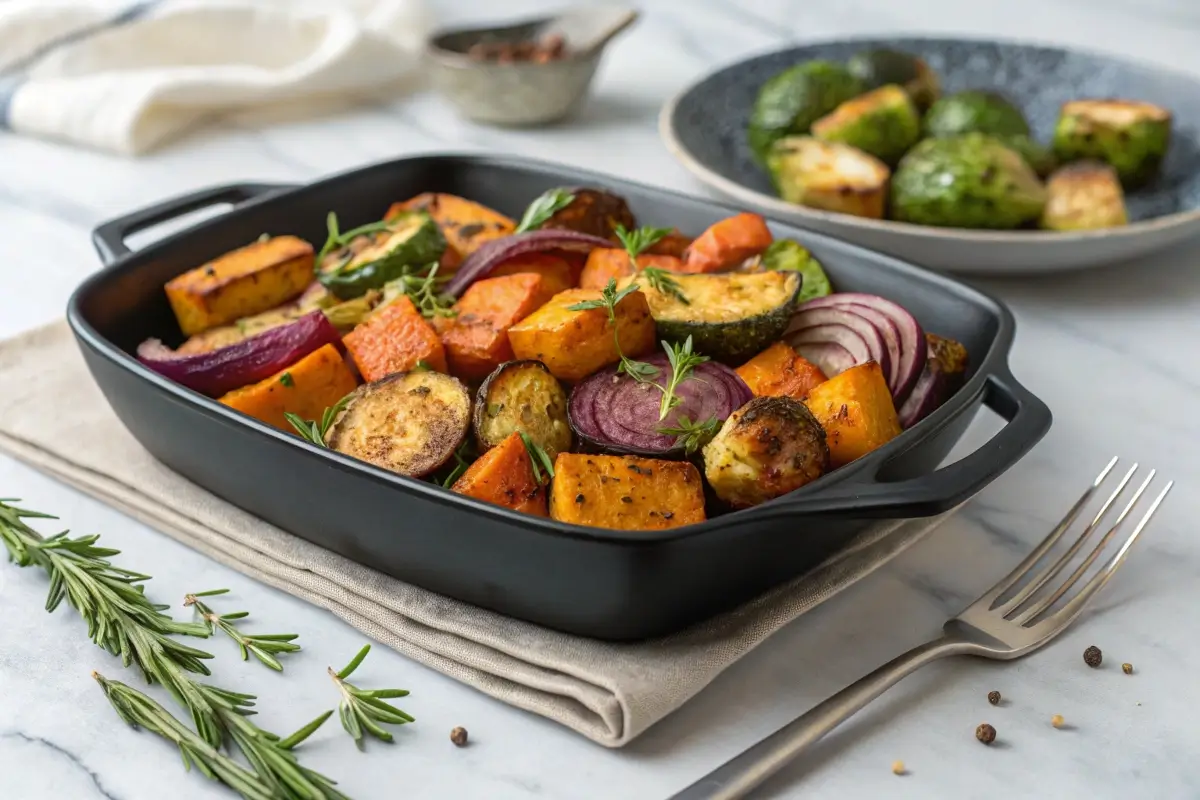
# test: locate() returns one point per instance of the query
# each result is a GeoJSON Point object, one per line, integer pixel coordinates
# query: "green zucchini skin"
{"type": "Point", "coordinates": [762, 304]}
{"type": "Point", "coordinates": [415, 241]}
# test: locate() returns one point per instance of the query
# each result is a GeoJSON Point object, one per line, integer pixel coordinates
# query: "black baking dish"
{"type": "Point", "coordinates": [593, 582]}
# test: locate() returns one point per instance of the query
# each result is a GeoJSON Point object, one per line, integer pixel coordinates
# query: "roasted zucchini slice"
{"type": "Point", "coordinates": [829, 175]}
{"type": "Point", "coordinates": [410, 422]}
{"type": "Point", "coordinates": [730, 316]}
{"type": "Point", "coordinates": [413, 241]}
{"type": "Point", "coordinates": [765, 449]}
{"type": "Point", "coordinates": [523, 396]}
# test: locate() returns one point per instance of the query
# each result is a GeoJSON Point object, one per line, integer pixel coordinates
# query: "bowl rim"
{"type": "Point", "coordinates": [446, 55]}
{"type": "Point", "coordinates": [778, 206]}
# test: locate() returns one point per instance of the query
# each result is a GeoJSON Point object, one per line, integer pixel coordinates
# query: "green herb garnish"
{"type": "Point", "coordinates": [286, 380]}
{"type": "Point", "coordinates": [361, 710]}
{"type": "Point", "coordinates": [639, 240]}
{"type": "Point", "coordinates": [661, 281]}
{"type": "Point", "coordinates": [422, 366]}
{"type": "Point", "coordinates": [312, 431]}
{"type": "Point", "coordinates": [543, 208]}
{"type": "Point", "coordinates": [691, 436]}
{"type": "Point", "coordinates": [683, 361]}
{"type": "Point", "coordinates": [264, 646]}
{"type": "Point", "coordinates": [335, 239]}
{"type": "Point", "coordinates": [424, 291]}
{"type": "Point", "coordinates": [609, 298]}
{"type": "Point", "coordinates": [463, 456]}
{"type": "Point", "coordinates": [536, 455]}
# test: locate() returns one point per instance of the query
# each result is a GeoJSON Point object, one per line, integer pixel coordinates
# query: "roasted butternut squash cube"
{"type": "Point", "coordinates": [779, 371]}
{"type": "Point", "coordinates": [856, 410]}
{"type": "Point", "coordinates": [246, 281]}
{"type": "Point", "coordinates": [625, 492]}
{"type": "Point", "coordinates": [504, 476]}
{"type": "Point", "coordinates": [395, 338]}
{"type": "Point", "coordinates": [574, 343]}
{"type": "Point", "coordinates": [465, 223]}
{"type": "Point", "coordinates": [308, 387]}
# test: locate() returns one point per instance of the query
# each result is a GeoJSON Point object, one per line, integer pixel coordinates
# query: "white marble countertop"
{"type": "Point", "coordinates": [1109, 351]}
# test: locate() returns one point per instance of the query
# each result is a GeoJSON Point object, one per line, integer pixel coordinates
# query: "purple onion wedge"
{"type": "Point", "coordinates": [944, 374]}
{"type": "Point", "coordinates": [808, 322]}
{"type": "Point", "coordinates": [496, 251]}
{"type": "Point", "coordinates": [242, 363]}
{"type": "Point", "coordinates": [614, 413]}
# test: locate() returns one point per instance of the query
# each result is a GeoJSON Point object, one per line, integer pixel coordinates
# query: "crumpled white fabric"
{"type": "Point", "coordinates": [128, 76]}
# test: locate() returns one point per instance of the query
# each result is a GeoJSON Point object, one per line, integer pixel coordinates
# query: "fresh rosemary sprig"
{"type": "Point", "coordinates": [608, 300]}
{"type": "Point", "coordinates": [691, 436]}
{"type": "Point", "coordinates": [661, 281]}
{"type": "Point", "coordinates": [543, 208]}
{"type": "Point", "coordinates": [264, 646]}
{"type": "Point", "coordinates": [539, 458]}
{"type": "Point", "coordinates": [683, 361]}
{"type": "Point", "coordinates": [312, 431]}
{"type": "Point", "coordinates": [463, 456]}
{"type": "Point", "coordinates": [639, 240]}
{"type": "Point", "coordinates": [362, 710]}
{"type": "Point", "coordinates": [335, 238]}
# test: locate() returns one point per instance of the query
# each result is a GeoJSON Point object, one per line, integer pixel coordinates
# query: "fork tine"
{"type": "Point", "coordinates": [1005, 583]}
{"type": "Point", "coordinates": [1067, 614]}
{"type": "Point", "coordinates": [1027, 591]}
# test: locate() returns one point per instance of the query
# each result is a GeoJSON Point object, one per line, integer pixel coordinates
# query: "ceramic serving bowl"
{"type": "Point", "coordinates": [704, 127]}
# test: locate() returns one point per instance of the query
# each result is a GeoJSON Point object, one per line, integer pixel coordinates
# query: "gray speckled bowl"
{"type": "Point", "coordinates": [704, 128]}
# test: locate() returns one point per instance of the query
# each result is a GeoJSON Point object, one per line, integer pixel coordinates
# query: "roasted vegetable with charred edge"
{"type": "Point", "coordinates": [412, 242]}
{"type": "Point", "coordinates": [881, 66]}
{"type": "Point", "coordinates": [975, 111]}
{"type": "Point", "coordinates": [767, 448]}
{"type": "Point", "coordinates": [625, 492]}
{"type": "Point", "coordinates": [396, 338]}
{"type": "Point", "coordinates": [857, 412]}
{"type": "Point", "coordinates": [944, 374]}
{"type": "Point", "coordinates": [305, 388]}
{"type": "Point", "coordinates": [967, 181]}
{"type": "Point", "coordinates": [790, 102]}
{"type": "Point", "coordinates": [788, 255]}
{"type": "Point", "coordinates": [727, 243]}
{"type": "Point", "coordinates": [504, 475]}
{"type": "Point", "coordinates": [592, 211]}
{"type": "Point", "coordinates": [464, 223]}
{"type": "Point", "coordinates": [410, 423]}
{"type": "Point", "coordinates": [523, 396]}
{"type": "Point", "coordinates": [1084, 195]}
{"type": "Point", "coordinates": [883, 122]}
{"type": "Point", "coordinates": [730, 316]}
{"type": "Point", "coordinates": [779, 371]}
{"type": "Point", "coordinates": [476, 337]}
{"type": "Point", "coordinates": [830, 176]}
{"type": "Point", "coordinates": [1133, 137]}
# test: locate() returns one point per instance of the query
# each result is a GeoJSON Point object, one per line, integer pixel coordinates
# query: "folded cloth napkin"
{"type": "Point", "coordinates": [126, 76]}
{"type": "Point", "coordinates": [606, 691]}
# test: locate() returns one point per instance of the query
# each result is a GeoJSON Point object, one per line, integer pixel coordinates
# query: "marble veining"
{"type": "Point", "coordinates": [1112, 352]}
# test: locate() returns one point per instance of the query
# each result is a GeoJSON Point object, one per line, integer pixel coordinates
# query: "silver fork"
{"type": "Point", "coordinates": [988, 627]}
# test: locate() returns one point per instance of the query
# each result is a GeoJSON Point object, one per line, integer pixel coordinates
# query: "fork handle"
{"type": "Point", "coordinates": [741, 774]}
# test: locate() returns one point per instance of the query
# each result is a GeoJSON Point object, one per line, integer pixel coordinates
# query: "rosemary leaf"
{"type": "Point", "coordinates": [362, 710]}
{"type": "Point", "coordinates": [263, 646]}
{"type": "Point", "coordinates": [543, 208]}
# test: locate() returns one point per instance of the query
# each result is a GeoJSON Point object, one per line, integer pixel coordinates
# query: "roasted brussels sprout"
{"type": "Point", "coordinates": [1036, 154]}
{"type": "Point", "coordinates": [1133, 137]}
{"type": "Point", "coordinates": [881, 67]}
{"type": "Point", "coordinates": [788, 255]}
{"type": "Point", "coordinates": [883, 122]}
{"type": "Point", "coordinates": [793, 100]}
{"type": "Point", "coordinates": [967, 181]}
{"type": "Point", "coordinates": [975, 111]}
{"type": "Point", "coordinates": [829, 175]}
{"type": "Point", "coordinates": [1084, 195]}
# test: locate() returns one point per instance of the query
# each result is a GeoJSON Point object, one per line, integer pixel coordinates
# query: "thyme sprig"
{"type": "Point", "coordinates": [639, 240]}
{"type": "Point", "coordinates": [335, 239]}
{"type": "Point", "coordinates": [683, 360]}
{"type": "Point", "coordinates": [691, 436]}
{"type": "Point", "coordinates": [544, 206]}
{"type": "Point", "coordinates": [315, 432]}
{"type": "Point", "coordinates": [264, 646]}
{"type": "Point", "coordinates": [609, 298]}
{"type": "Point", "coordinates": [661, 281]}
{"type": "Point", "coordinates": [363, 710]}
{"type": "Point", "coordinates": [424, 288]}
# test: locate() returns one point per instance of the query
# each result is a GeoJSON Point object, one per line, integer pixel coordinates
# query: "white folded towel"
{"type": "Point", "coordinates": [128, 76]}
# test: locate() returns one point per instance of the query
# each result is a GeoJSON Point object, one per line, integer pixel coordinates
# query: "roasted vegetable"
{"type": "Point", "coordinates": [412, 242]}
{"type": "Point", "coordinates": [410, 422]}
{"type": "Point", "coordinates": [967, 181]}
{"type": "Point", "coordinates": [558, 274]}
{"type": "Point", "coordinates": [767, 448]}
{"type": "Point", "coordinates": [306, 388]}
{"type": "Point", "coordinates": [605, 263]}
{"type": "Point", "coordinates": [592, 211]}
{"type": "Point", "coordinates": [944, 374]}
{"type": "Point", "coordinates": [395, 339]}
{"type": "Point", "coordinates": [242, 363]}
{"type": "Point", "coordinates": [476, 338]}
{"type": "Point", "coordinates": [975, 111]}
{"type": "Point", "coordinates": [883, 122]}
{"type": "Point", "coordinates": [726, 243]}
{"type": "Point", "coordinates": [790, 102]}
{"type": "Point", "coordinates": [246, 281]}
{"type": "Point", "coordinates": [779, 371]}
{"type": "Point", "coordinates": [881, 67]}
{"type": "Point", "coordinates": [1133, 137]}
{"type": "Point", "coordinates": [856, 410]}
{"type": "Point", "coordinates": [465, 224]}
{"type": "Point", "coordinates": [1084, 195]}
{"type": "Point", "coordinates": [788, 255]}
{"type": "Point", "coordinates": [522, 396]}
{"type": "Point", "coordinates": [504, 476]}
{"type": "Point", "coordinates": [730, 316]}
{"type": "Point", "coordinates": [575, 343]}
{"type": "Point", "coordinates": [625, 492]}
{"type": "Point", "coordinates": [829, 176]}
{"type": "Point", "coordinates": [492, 254]}
{"type": "Point", "coordinates": [1038, 156]}
{"type": "Point", "coordinates": [673, 244]}
{"type": "Point", "coordinates": [617, 413]}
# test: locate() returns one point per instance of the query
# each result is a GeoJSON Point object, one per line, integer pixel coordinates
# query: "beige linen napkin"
{"type": "Point", "coordinates": [608, 692]}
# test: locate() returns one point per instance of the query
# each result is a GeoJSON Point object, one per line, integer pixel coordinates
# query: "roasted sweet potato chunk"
{"type": "Point", "coordinates": [476, 339]}
{"type": "Point", "coordinates": [856, 410]}
{"type": "Point", "coordinates": [504, 476]}
{"type": "Point", "coordinates": [246, 281]}
{"type": "Point", "coordinates": [395, 338]}
{"type": "Point", "coordinates": [465, 223]}
{"type": "Point", "coordinates": [779, 371]}
{"type": "Point", "coordinates": [727, 243]}
{"type": "Point", "coordinates": [557, 273]}
{"type": "Point", "coordinates": [610, 262]}
{"type": "Point", "coordinates": [306, 388]}
{"type": "Point", "coordinates": [625, 492]}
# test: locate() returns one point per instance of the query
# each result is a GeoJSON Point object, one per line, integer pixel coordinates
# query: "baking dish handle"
{"type": "Point", "coordinates": [864, 495]}
{"type": "Point", "coordinates": [109, 238]}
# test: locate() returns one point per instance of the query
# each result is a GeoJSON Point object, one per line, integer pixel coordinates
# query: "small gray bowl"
{"type": "Point", "coordinates": [524, 93]}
